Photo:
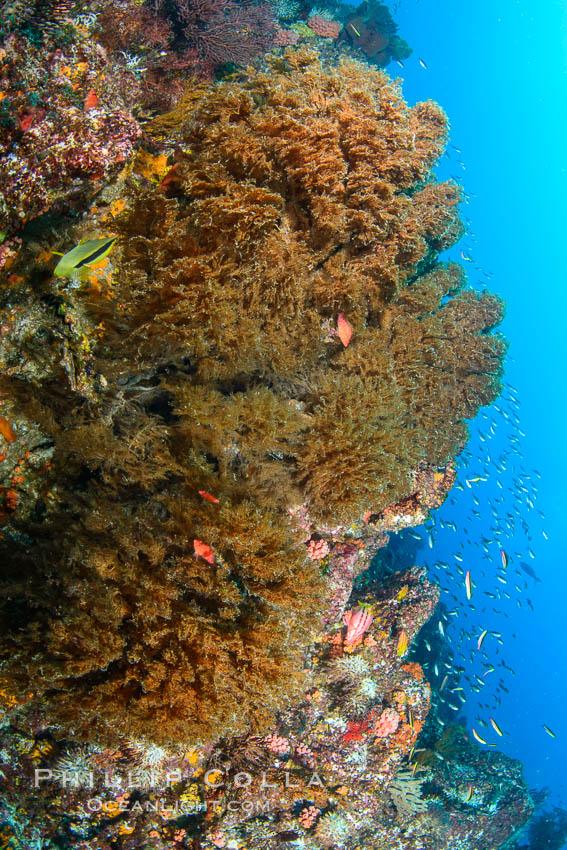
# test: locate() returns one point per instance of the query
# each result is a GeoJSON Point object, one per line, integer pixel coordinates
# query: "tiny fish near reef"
{"type": "Point", "coordinates": [204, 551]}
{"type": "Point", "coordinates": [344, 330]}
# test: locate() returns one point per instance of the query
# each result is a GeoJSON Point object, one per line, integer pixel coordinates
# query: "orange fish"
{"type": "Point", "coordinates": [402, 642]}
{"type": "Point", "coordinates": [91, 100]}
{"type": "Point", "coordinates": [344, 330]}
{"type": "Point", "coordinates": [204, 551]}
{"type": "Point", "coordinates": [26, 121]}
{"type": "Point", "coordinates": [208, 497]}
{"type": "Point", "coordinates": [170, 179]}
{"type": "Point", "coordinates": [7, 431]}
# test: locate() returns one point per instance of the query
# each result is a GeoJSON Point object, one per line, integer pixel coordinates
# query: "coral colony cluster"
{"type": "Point", "coordinates": [207, 436]}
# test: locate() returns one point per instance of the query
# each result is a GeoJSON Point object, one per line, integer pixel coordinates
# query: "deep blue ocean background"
{"type": "Point", "coordinates": [499, 69]}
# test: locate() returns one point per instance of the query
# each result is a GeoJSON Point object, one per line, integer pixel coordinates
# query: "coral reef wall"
{"type": "Point", "coordinates": [298, 196]}
{"type": "Point", "coordinates": [157, 583]}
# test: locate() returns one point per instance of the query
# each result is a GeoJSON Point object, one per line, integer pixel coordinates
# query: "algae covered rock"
{"type": "Point", "coordinates": [162, 588]}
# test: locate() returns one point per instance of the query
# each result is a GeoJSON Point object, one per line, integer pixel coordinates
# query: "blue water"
{"type": "Point", "coordinates": [499, 69]}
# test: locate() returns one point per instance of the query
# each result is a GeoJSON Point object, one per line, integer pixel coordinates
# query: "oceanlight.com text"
{"type": "Point", "coordinates": [168, 808]}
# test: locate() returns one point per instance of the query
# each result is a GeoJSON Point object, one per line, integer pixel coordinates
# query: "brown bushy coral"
{"type": "Point", "coordinates": [301, 194]}
{"type": "Point", "coordinates": [137, 635]}
{"type": "Point", "coordinates": [297, 195]}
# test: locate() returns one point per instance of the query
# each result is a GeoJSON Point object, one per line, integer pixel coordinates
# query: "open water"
{"type": "Point", "coordinates": [500, 71]}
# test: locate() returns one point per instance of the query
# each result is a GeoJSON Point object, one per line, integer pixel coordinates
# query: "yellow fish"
{"type": "Point", "coordinates": [75, 262]}
{"type": "Point", "coordinates": [477, 737]}
{"type": "Point", "coordinates": [496, 727]}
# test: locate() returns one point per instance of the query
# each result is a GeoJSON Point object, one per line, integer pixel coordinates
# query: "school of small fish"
{"type": "Point", "coordinates": [485, 574]}
{"type": "Point", "coordinates": [508, 519]}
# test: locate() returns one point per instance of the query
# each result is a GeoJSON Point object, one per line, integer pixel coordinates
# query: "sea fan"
{"type": "Point", "coordinates": [405, 793]}
{"type": "Point", "coordinates": [230, 31]}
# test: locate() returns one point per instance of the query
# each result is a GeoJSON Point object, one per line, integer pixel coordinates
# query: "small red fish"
{"type": "Point", "coordinates": [170, 179]}
{"type": "Point", "coordinates": [91, 100]}
{"type": "Point", "coordinates": [357, 621]}
{"type": "Point", "coordinates": [201, 549]}
{"type": "Point", "coordinates": [208, 497]}
{"type": "Point", "coordinates": [26, 121]}
{"type": "Point", "coordinates": [344, 330]}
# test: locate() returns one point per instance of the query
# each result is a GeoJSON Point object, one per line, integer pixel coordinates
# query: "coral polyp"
{"type": "Point", "coordinates": [353, 669]}
{"type": "Point", "coordinates": [333, 830]}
